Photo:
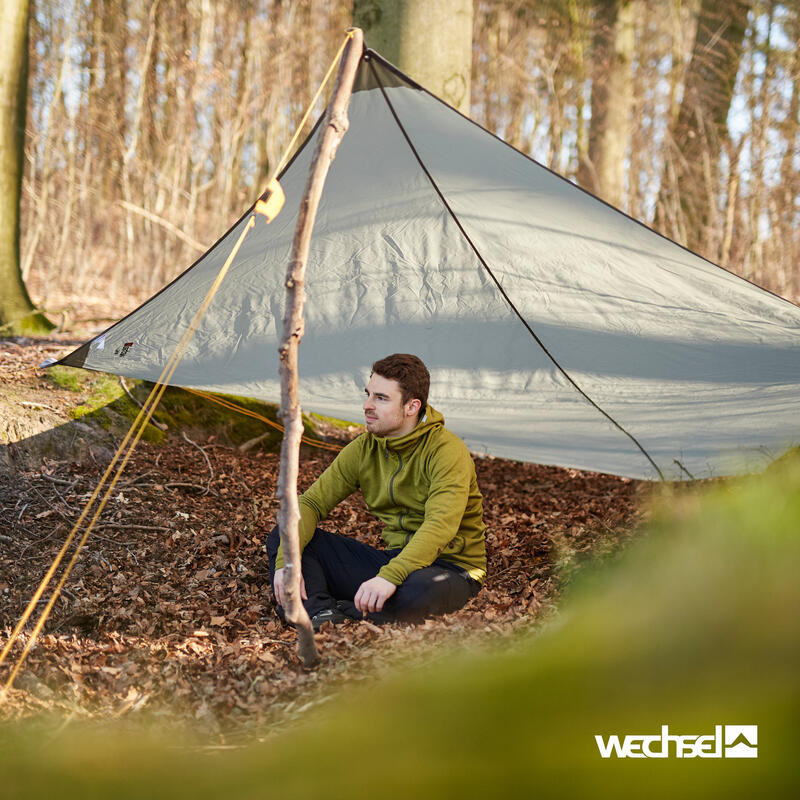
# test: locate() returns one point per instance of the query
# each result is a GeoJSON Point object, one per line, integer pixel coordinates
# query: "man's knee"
{"type": "Point", "coordinates": [321, 545]}
{"type": "Point", "coordinates": [429, 591]}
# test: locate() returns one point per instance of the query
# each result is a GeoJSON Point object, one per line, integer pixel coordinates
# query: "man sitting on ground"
{"type": "Point", "coordinates": [418, 478]}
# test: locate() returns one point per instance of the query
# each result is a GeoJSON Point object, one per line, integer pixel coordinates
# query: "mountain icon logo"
{"type": "Point", "coordinates": [741, 741]}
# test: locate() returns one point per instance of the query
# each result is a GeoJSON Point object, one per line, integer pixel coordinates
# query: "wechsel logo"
{"type": "Point", "coordinates": [727, 741]}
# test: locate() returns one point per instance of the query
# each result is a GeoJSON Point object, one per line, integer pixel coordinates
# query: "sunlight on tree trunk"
{"type": "Point", "coordinates": [612, 101]}
{"type": "Point", "coordinates": [17, 315]}
{"type": "Point", "coordinates": [431, 42]}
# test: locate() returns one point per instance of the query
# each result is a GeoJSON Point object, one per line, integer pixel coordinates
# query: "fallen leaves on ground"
{"type": "Point", "coordinates": [168, 612]}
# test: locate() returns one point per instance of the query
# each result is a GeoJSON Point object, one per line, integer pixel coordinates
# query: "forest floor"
{"type": "Point", "coordinates": [168, 615]}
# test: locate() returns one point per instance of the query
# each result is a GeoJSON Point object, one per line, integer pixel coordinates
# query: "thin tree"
{"type": "Point", "coordinates": [17, 314]}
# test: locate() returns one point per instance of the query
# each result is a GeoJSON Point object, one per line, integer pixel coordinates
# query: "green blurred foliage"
{"type": "Point", "coordinates": [696, 625]}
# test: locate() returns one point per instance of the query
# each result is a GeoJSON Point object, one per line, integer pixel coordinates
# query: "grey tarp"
{"type": "Point", "coordinates": [557, 329]}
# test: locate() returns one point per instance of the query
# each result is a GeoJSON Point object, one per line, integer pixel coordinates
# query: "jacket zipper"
{"type": "Point", "coordinates": [391, 487]}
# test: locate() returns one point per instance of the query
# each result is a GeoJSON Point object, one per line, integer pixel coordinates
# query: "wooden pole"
{"type": "Point", "coordinates": [331, 133]}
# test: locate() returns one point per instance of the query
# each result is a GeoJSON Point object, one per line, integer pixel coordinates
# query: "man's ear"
{"type": "Point", "coordinates": [413, 407]}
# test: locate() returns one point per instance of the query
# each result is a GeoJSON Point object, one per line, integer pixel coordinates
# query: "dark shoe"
{"type": "Point", "coordinates": [328, 615]}
{"type": "Point", "coordinates": [348, 608]}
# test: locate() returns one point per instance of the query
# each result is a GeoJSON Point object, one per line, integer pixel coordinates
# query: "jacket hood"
{"type": "Point", "coordinates": [431, 420]}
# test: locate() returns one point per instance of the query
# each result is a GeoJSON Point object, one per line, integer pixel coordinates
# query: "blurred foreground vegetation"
{"type": "Point", "coordinates": [695, 626]}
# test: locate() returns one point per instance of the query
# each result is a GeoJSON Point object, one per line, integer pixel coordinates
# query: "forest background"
{"type": "Point", "coordinates": [152, 125]}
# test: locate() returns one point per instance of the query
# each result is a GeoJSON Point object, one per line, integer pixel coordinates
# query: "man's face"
{"type": "Point", "coordinates": [383, 410]}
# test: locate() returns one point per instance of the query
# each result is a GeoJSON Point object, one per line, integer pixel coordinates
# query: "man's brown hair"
{"type": "Point", "coordinates": [410, 373]}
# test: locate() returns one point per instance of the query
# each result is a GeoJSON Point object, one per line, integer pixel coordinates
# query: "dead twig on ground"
{"type": "Point", "coordinates": [28, 404]}
{"type": "Point", "coordinates": [60, 481]}
{"type": "Point", "coordinates": [178, 485]}
{"type": "Point", "coordinates": [131, 527]}
{"type": "Point", "coordinates": [205, 456]}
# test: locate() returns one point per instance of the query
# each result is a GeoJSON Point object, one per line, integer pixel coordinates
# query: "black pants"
{"type": "Point", "coordinates": [335, 566]}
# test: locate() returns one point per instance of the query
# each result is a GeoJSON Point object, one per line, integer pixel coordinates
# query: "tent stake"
{"type": "Point", "coordinates": [331, 133]}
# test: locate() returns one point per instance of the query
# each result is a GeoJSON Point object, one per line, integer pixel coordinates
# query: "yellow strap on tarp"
{"type": "Point", "coordinates": [271, 202]}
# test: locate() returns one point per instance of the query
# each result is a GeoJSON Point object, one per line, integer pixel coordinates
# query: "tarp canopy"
{"type": "Point", "coordinates": [557, 329]}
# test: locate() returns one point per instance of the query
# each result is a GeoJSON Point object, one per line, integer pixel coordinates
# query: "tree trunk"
{"type": "Point", "coordinates": [113, 94]}
{"type": "Point", "coordinates": [431, 42]}
{"type": "Point", "coordinates": [17, 315]}
{"type": "Point", "coordinates": [789, 183]}
{"type": "Point", "coordinates": [333, 128]}
{"type": "Point", "coordinates": [701, 127]}
{"type": "Point", "coordinates": [612, 100]}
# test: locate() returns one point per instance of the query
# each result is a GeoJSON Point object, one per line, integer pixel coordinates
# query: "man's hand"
{"type": "Point", "coordinates": [372, 594]}
{"type": "Point", "coordinates": [279, 587]}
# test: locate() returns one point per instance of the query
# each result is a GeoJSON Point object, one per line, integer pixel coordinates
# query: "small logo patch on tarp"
{"type": "Point", "coordinates": [121, 351]}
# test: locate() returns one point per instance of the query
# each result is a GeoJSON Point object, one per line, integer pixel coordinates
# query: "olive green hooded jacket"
{"type": "Point", "coordinates": [422, 486]}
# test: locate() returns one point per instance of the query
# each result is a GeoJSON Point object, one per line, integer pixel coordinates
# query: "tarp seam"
{"type": "Point", "coordinates": [497, 282]}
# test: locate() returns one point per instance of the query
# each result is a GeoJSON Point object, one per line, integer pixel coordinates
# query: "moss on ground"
{"type": "Point", "coordinates": [182, 410]}
{"type": "Point", "coordinates": [68, 378]}
{"type": "Point", "coordinates": [33, 323]}
{"type": "Point", "coordinates": [102, 400]}
{"type": "Point", "coordinates": [336, 423]}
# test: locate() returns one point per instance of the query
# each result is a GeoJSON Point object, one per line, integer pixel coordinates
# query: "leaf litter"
{"type": "Point", "coordinates": [168, 615]}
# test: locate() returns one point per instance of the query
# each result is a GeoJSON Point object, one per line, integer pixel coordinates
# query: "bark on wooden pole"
{"type": "Point", "coordinates": [331, 132]}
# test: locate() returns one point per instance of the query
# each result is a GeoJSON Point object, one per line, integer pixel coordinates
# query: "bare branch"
{"type": "Point", "coordinates": [205, 456]}
{"type": "Point", "coordinates": [166, 224]}
{"type": "Point", "coordinates": [332, 130]}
